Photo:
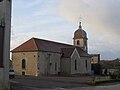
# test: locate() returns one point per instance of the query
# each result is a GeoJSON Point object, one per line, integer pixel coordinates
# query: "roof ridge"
{"type": "Point", "coordinates": [35, 43]}
{"type": "Point", "coordinates": [31, 39]}
{"type": "Point", "coordinates": [53, 41]}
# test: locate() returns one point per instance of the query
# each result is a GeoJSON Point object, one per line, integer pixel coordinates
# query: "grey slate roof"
{"type": "Point", "coordinates": [35, 44]}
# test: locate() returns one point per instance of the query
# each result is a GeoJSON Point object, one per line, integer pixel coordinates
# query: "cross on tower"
{"type": "Point", "coordinates": [80, 19]}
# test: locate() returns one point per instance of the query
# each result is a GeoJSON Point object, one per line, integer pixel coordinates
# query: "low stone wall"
{"type": "Point", "coordinates": [102, 78]}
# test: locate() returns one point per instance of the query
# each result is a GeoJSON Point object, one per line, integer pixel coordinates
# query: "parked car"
{"type": "Point", "coordinates": [11, 73]}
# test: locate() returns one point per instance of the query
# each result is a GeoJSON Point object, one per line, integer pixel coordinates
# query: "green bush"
{"type": "Point", "coordinates": [116, 75]}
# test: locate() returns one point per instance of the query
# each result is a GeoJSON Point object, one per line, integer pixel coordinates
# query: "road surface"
{"type": "Point", "coordinates": [57, 83]}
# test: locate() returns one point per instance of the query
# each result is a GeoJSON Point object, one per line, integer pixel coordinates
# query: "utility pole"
{"type": "Point", "coordinates": [5, 29]}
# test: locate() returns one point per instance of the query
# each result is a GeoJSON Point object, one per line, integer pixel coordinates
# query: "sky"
{"type": "Point", "coordinates": [57, 20]}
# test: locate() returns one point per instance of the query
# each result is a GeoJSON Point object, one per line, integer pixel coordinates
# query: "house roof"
{"type": "Point", "coordinates": [94, 54]}
{"type": "Point", "coordinates": [45, 45]}
{"type": "Point", "coordinates": [29, 45]}
{"type": "Point", "coordinates": [35, 44]}
{"type": "Point", "coordinates": [82, 52]}
{"type": "Point", "coordinates": [67, 52]}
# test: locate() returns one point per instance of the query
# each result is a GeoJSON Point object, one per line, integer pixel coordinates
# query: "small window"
{"type": "Point", "coordinates": [78, 42]}
{"type": "Point", "coordinates": [23, 73]}
{"type": "Point", "coordinates": [11, 70]}
{"type": "Point", "coordinates": [23, 64]}
{"type": "Point", "coordinates": [75, 64]}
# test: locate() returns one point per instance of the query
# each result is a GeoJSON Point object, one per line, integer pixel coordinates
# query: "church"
{"type": "Point", "coordinates": [38, 57]}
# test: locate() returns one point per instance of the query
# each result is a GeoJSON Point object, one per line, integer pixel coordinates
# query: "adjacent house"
{"type": "Point", "coordinates": [95, 63]}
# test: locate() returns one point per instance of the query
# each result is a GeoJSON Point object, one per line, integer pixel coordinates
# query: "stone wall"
{"type": "Point", "coordinates": [49, 63]}
{"type": "Point", "coordinates": [66, 66]}
{"type": "Point", "coordinates": [83, 64]}
{"type": "Point", "coordinates": [31, 63]}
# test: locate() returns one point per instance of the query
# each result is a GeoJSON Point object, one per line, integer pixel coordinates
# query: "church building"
{"type": "Point", "coordinates": [42, 57]}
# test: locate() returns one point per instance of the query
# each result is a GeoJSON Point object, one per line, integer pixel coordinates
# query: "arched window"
{"type": "Point", "coordinates": [75, 64]}
{"type": "Point", "coordinates": [23, 64]}
{"type": "Point", "coordinates": [55, 66]}
{"type": "Point", "coordinates": [85, 45]}
{"type": "Point", "coordinates": [78, 42]}
{"type": "Point", "coordinates": [23, 73]}
{"type": "Point", "coordinates": [86, 63]}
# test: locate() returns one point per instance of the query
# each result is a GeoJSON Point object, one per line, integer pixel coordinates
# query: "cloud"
{"type": "Point", "coordinates": [56, 20]}
{"type": "Point", "coordinates": [101, 18]}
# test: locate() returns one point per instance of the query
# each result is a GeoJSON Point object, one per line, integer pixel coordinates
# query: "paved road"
{"type": "Point", "coordinates": [111, 87]}
{"type": "Point", "coordinates": [49, 82]}
{"type": "Point", "coordinates": [56, 83]}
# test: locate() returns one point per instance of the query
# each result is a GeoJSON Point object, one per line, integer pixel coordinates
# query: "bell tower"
{"type": "Point", "coordinates": [80, 38]}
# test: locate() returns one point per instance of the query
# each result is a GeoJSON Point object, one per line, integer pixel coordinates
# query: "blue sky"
{"type": "Point", "coordinates": [57, 20]}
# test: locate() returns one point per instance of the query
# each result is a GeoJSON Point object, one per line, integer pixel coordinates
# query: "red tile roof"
{"type": "Point", "coordinates": [29, 45]}
{"type": "Point", "coordinates": [35, 44]}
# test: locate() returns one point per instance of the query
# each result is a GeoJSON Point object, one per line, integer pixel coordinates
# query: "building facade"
{"type": "Point", "coordinates": [42, 57]}
{"type": "Point", "coordinates": [74, 63]}
{"type": "Point", "coordinates": [5, 27]}
{"type": "Point", "coordinates": [95, 58]}
{"type": "Point", "coordinates": [95, 63]}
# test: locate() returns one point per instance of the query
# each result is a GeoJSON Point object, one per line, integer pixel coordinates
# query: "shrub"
{"type": "Point", "coordinates": [116, 75]}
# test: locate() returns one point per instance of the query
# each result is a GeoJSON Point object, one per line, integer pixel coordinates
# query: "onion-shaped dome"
{"type": "Point", "coordinates": [80, 33]}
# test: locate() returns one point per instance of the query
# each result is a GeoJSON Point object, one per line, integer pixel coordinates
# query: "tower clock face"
{"type": "Point", "coordinates": [1, 0]}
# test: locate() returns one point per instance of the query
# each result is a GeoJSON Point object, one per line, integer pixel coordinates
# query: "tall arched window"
{"type": "Point", "coordinates": [23, 64]}
{"type": "Point", "coordinates": [78, 42]}
{"type": "Point", "coordinates": [55, 66]}
{"type": "Point", "coordinates": [75, 64]}
{"type": "Point", "coordinates": [86, 63]}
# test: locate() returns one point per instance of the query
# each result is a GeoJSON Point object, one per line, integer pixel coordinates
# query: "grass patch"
{"type": "Point", "coordinates": [98, 82]}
